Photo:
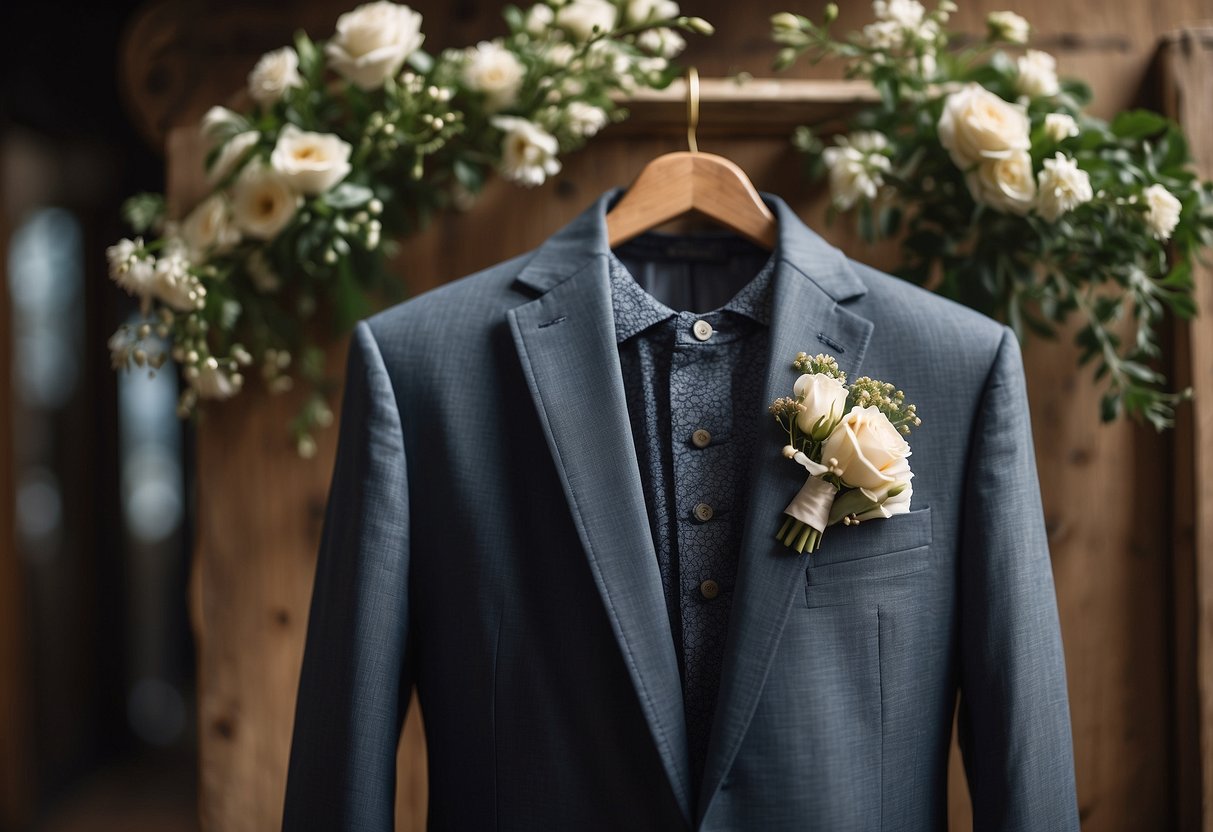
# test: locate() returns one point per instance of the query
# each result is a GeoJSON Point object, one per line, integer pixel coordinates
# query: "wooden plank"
{"type": "Point", "coordinates": [1186, 67]}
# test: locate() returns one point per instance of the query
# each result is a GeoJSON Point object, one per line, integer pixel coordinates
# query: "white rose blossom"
{"type": "Point", "coordinates": [639, 11]}
{"type": "Point", "coordinates": [174, 285]}
{"type": "Point", "coordinates": [373, 41]}
{"type": "Point", "coordinates": [976, 124]}
{"type": "Point", "coordinates": [581, 16]}
{"type": "Point", "coordinates": [908, 14]}
{"type": "Point", "coordinates": [585, 119]}
{"type": "Point", "coordinates": [1005, 184]}
{"type": "Point", "coordinates": [1063, 186]}
{"type": "Point", "coordinates": [220, 124]}
{"type": "Point", "coordinates": [130, 268]}
{"type": "Point", "coordinates": [311, 163]}
{"type": "Point", "coordinates": [855, 166]}
{"type": "Point", "coordinates": [528, 151]}
{"type": "Point", "coordinates": [662, 41]}
{"type": "Point", "coordinates": [262, 202]}
{"type": "Point", "coordinates": [1162, 211]}
{"type": "Point", "coordinates": [1037, 76]}
{"type": "Point", "coordinates": [559, 54]}
{"type": "Point", "coordinates": [232, 155]}
{"type": "Point", "coordinates": [209, 228]}
{"type": "Point", "coordinates": [539, 18]}
{"type": "Point", "coordinates": [821, 395]}
{"type": "Point", "coordinates": [869, 451]}
{"type": "Point", "coordinates": [495, 71]}
{"type": "Point", "coordinates": [274, 74]}
{"type": "Point", "coordinates": [1059, 127]}
{"type": "Point", "coordinates": [1009, 27]}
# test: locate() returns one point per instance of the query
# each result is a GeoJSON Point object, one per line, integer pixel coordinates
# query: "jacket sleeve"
{"type": "Point", "coordinates": [356, 679]}
{"type": "Point", "coordinates": [1014, 718]}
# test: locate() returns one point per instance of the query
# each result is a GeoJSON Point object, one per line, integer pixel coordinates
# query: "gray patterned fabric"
{"type": "Point", "coordinates": [487, 539]}
{"type": "Point", "coordinates": [676, 384]}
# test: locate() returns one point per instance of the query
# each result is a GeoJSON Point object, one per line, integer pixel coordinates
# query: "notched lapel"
{"type": "Point", "coordinates": [805, 317]}
{"type": "Point", "coordinates": [566, 344]}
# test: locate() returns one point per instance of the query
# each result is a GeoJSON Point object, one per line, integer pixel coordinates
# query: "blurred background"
{"type": "Point", "coordinates": [96, 659]}
{"type": "Point", "coordinates": [99, 695]}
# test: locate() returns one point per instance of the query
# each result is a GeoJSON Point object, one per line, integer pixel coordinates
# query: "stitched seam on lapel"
{"type": "Point", "coordinates": [666, 747]}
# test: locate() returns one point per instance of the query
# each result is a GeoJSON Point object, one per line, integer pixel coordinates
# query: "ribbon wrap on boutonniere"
{"type": "Point", "coordinates": [850, 440]}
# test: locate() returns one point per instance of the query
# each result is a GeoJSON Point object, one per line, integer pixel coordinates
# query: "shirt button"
{"type": "Point", "coordinates": [702, 329]}
{"type": "Point", "coordinates": [709, 589]}
{"type": "Point", "coordinates": [701, 438]}
{"type": "Point", "coordinates": [703, 512]}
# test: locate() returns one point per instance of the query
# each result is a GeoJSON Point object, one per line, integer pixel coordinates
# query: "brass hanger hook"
{"type": "Point", "coordinates": [692, 107]}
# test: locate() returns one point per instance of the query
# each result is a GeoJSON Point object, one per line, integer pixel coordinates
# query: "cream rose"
{"type": "Point", "coordinates": [869, 451]}
{"type": "Point", "coordinates": [1004, 184]}
{"type": "Point", "coordinates": [310, 162]}
{"type": "Point", "coordinates": [1063, 187]}
{"type": "Point", "coordinates": [638, 11]}
{"type": "Point", "coordinates": [539, 18]}
{"type": "Point", "coordinates": [585, 119]}
{"type": "Point", "coordinates": [262, 202]}
{"type": "Point", "coordinates": [1059, 127]}
{"type": "Point", "coordinates": [219, 124]}
{"type": "Point", "coordinates": [662, 41]}
{"type": "Point", "coordinates": [822, 396]}
{"type": "Point", "coordinates": [976, 124]}
{"type": "Point", "coordinates": [232, 155]}
{"type": "Point", "coordinates": [495, 71]}
{"type": "Point", "coordinates": [528, 152]}
{"type": "Point", "coordinates": [130, 268]}
{"type": "Point", "coordinates": [373, 41]}
{"type": "Point", "coordinates": [208, 228]}
{"type": "Point", "coordinates": [1008, 26]}
{"type": "Point", "coordinates": [1162, 211]}
{"type": "Point", "coordinates": [899, 503]}
{"type": "Point", "coordinates": [581, 16]}
{"type": "Point", "coordinates": [174, 285]}
{"type": "Point", "coordinates": [274, 74]}
{"type": "Point", "coordinates": [1037, 75]}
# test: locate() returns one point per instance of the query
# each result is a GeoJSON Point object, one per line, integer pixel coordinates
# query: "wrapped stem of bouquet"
{"type": "Point", "coordinates": [349, 144]}
{"type": "Point", "coordinates": [850, 440]}
{"type": "Point", "coordinates": [1007, 195]}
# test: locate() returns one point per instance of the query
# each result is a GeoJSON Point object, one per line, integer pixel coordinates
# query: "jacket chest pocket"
{"type": "Point", "coordinates": [874, 549]}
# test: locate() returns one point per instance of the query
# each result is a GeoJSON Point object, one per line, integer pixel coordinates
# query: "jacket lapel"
{"type": "Point", "coordinates": [566, 344]}
{"type": "Point", "coordinates": [810, 280]}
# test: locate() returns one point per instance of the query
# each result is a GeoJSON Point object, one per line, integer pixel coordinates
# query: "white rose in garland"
{"type": "Point", "coordinates": [263, 202]}
{"type": "Point", "coordinates": [528, 154]}
{"type": "Point", "coordinates": [1004, 183]}
{"type": "Point", "coordinates": [1007, 196]}
{"type": "Point", "coordinates": [495, 71]}
{"type": "Point", "coordinates": [311, 163]}
{"type": "Point", "coordinates": [350, 144]}
{"type": "Point", "coordinates": [275, 74]}
{"type": "Point", "coordinates": [977, 125]}
{"type": "Point", "coordinates": [580, 17]}
{"type": "Point", "coordinates": [373, 41]}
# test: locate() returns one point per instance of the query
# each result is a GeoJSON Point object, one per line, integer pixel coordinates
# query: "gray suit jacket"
{"type": "Point", "coordinates": [486, 539]}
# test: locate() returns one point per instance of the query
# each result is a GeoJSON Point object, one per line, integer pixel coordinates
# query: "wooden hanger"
{"type": "Point", "coordinates": [677, 183]}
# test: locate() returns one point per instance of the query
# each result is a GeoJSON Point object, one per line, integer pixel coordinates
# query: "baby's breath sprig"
{"type": "Point", "coordinates": [867, 391]}
{"type": "Point", "coordinates": [819, 364]}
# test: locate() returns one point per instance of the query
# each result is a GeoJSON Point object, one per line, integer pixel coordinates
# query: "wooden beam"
{"type": "Point", "coordinates": [1186, 67]}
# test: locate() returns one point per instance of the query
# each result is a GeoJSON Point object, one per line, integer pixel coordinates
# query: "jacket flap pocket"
{"type": "Point", "coordinates": [880, 547]}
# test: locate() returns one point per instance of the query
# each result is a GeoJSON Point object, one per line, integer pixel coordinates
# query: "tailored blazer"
{"type": "Point", "coordinates": [486, 540]}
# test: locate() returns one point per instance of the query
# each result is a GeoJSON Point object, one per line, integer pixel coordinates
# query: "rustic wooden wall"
{"type": "Point", "coordinates": [1107, 489]}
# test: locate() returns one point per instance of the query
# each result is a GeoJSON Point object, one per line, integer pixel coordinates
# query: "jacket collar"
{"type": "Point", "coordinates": [565, 252]}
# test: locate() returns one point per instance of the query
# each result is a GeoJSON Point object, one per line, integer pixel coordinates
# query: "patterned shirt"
{"type": "Point", "coordinates": [693, 382]}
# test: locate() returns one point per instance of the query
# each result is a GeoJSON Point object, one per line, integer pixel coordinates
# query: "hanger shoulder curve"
{"type": "Point", "coordinates": [676, 183]}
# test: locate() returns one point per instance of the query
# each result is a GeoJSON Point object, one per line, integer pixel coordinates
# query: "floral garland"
{"type": "Point", "coordinates": [1010, 197]}
{"type": "Point", "coordinates": [309, 187]}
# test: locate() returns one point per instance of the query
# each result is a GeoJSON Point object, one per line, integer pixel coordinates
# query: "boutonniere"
{"type": "Point", "coordinates": [850, 440]}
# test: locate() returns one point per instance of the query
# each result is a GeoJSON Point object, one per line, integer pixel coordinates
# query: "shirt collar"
{"type": "Point", "coordinates": [636, 310]}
